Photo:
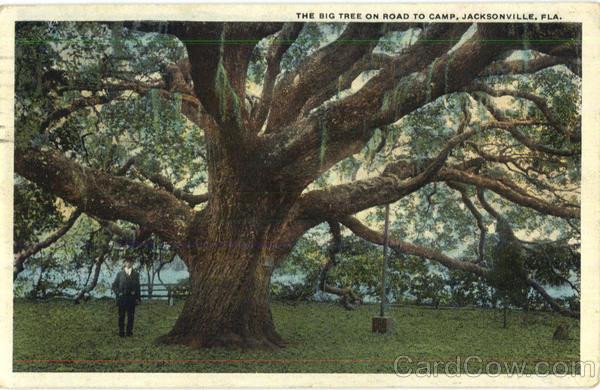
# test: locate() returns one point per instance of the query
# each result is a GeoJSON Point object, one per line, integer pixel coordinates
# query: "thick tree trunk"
{"type": "Point", "coordinates": [230, 268]}
{"type": "Point", "coordinates": [228, 306]}
{"type": "Point", "coordinates": [224, 312]}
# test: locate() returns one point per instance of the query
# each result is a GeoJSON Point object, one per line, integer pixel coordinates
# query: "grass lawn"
{"type": "Point", "coordinates": [59, 336]}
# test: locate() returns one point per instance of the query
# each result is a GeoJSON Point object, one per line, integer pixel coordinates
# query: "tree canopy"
{"type": "Point", "coordinates": [231, 141]}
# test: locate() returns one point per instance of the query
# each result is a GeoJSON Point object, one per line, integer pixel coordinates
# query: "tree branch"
{"type": "Point", "coordinates": [539, 101]}
{"type": "Point", "coordinates": [128, 164]}
{"type": "Point", "coordinates": [509, 191]}
{"type": "Point", "coordinates": [74, 106]}
{"type": "Point", "coordinates": [189, 107]}
{"type": "Point", "coordinates": [476, 214]}
{"type": "Point", "coordinates": [284, 39]}
{"type": "Point", "coordinates": [389, 102]}
{"type": "Point", "coordinates": [123, 236]}
{"type": "Point", "coordinates": [163, 182]}
{"type": "Point", "coordinates": [348, 298]}
{"type": "Point", "coordinates": [24, 254]}
{"type": "Point", "coordinates": [342, 127]}
{"type": "Point", "coordinates": [370, 235]}
{"type": "Point", "coordinates": [512, 128]}
{"type": "Point", "coordinates": [350, 121]}
{"type": "Point", "coordinates": [103, 195]}
{"type": "Point", "coordinates": [373, 61]}
{"type": "Point", "coordinates": [555, 305]}
{"type": "Point", "coordinates": [488, 207]}
{"type": "Point", "coordinates": [219, 55]}
{"type": "Point", "coordinates": [161, 265]}
{"type": "Point", "coordinates": [397, 180]}
{"type": "Point", "coordinates": [98, 267]}
{"type": "Point", "coordinates": [556, 39]}
{"type": "Point", "coordinates": [357, 40]}
{"type": "Point", "coordinates": [533, 65]}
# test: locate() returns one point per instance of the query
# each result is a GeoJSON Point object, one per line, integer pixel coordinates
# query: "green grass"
{"type": "Point", "coordinates": [59, 336]}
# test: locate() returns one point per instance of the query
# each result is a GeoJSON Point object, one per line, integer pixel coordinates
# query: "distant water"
{"type": "Point", "coordinates": [177, 271]}
{"type": "Point", "coordinates": [171, 273]}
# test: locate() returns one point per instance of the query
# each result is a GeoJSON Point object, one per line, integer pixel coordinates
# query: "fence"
{"type": "Point", "coordinates": [168, 291]}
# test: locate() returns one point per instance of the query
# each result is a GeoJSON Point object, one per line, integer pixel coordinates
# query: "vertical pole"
{"type": "Point", "coordinates": [385, 256]}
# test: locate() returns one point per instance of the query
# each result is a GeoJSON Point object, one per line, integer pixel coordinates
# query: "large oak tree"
{"type": "Point", "coordinates": [324, 94]}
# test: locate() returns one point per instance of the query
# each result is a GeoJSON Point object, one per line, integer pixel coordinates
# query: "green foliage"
{"type": "Point", "coordinates": [430, 288]}
{"type": "Point", "coordinates": [34, 81]}
{"type": "Point", "coordinates": [312, 36]}
{"type": "Point", "coordinates": [468, 290]}
{"type": "Point", "coordinates": [323, 338]}
{"type": "Point", "coordinates": [508, 275]}
{"type": "Point", "coordinates": [85, 58]}
{"type": "Point", "coordinates": [291, 292]}
{"type": "Point", "coordinates": [59, 63]}
{"type": "Point", "coordinates": [258, 62]}
{"type": "Point", "coordinates": [182, 287]}
{"type": "Point", "coordinates": [396, 41]}
{"type": "Point", "coordinates": [35, 213]}
{"type": "Point", "coordinates": [410, 279]}
{"type": "Point", "coordinates": [553, 263]}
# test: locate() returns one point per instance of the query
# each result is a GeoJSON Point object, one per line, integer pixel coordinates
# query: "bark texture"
{"type": "Point", "coordinates": [262, 155]}
{"type": "Point", "coordinates": [230, 268]}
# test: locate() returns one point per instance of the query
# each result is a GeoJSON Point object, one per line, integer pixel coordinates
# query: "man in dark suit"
{"type": "Point", "coordinates": [127, 290]}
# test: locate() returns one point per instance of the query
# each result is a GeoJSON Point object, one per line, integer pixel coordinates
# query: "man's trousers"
{"type": "Point", "coordinates": [129, 309]}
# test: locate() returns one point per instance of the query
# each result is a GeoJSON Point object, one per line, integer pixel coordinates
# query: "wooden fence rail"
{"type": "Point", "coordinates": [168, 291]}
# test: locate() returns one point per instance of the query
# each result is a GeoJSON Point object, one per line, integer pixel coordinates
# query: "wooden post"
{"type": "Point", "coordinates": [384, 261]}
{"type": "Point", "coordinates": [383, 324]}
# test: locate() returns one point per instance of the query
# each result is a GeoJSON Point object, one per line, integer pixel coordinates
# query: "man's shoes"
{"type": "Point", "coordinates": [129, 334]}
{"type": "Point", "coordinates": [121, 334]}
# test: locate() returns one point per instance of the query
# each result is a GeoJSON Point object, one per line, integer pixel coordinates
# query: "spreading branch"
{"type": "Point", "coordinates": [284, 39]}
{"type": "Point", "coordinates": [103, 195]}
{"type": "Point", "coordinates": [74, 106]}
{"type": "Point", "coordinates": [341, 128]}
{"type": "Point", "coordinates": [512, 126]}
{"type": "Point", "coordinates": [162, 181]}
{"type": "Point", "coordinates": [398, 180]}
{"type": "Point", "coordinates": [107, 92]}
{"type": "Point", "coordinates": [539, 101]}
{"type": "Point", "coordinates": [551, 301]}
{"type": "Point", "coordinates": [166, 184]}
{"type": "Point", "coordinates": [476, 214]}
{"type": "Point", "coordinates": [324, 66]}
{"type": "Point", "coordinates": [508, 191]}
{"type": "Point", "coordinates": [528, 66]}
{"type": "Point", "coordinates": [24, 254]}
{"type": "Point", "coordinates": [487, 206]}
{"type": "Point", "coordinates": [219, 55]}
{"type": "Point", "coordinates": [373, 61]}
{"type": "Point", "coordinates": [376, 237]}
{"type": "Point", "coordinates": [94, 282]}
